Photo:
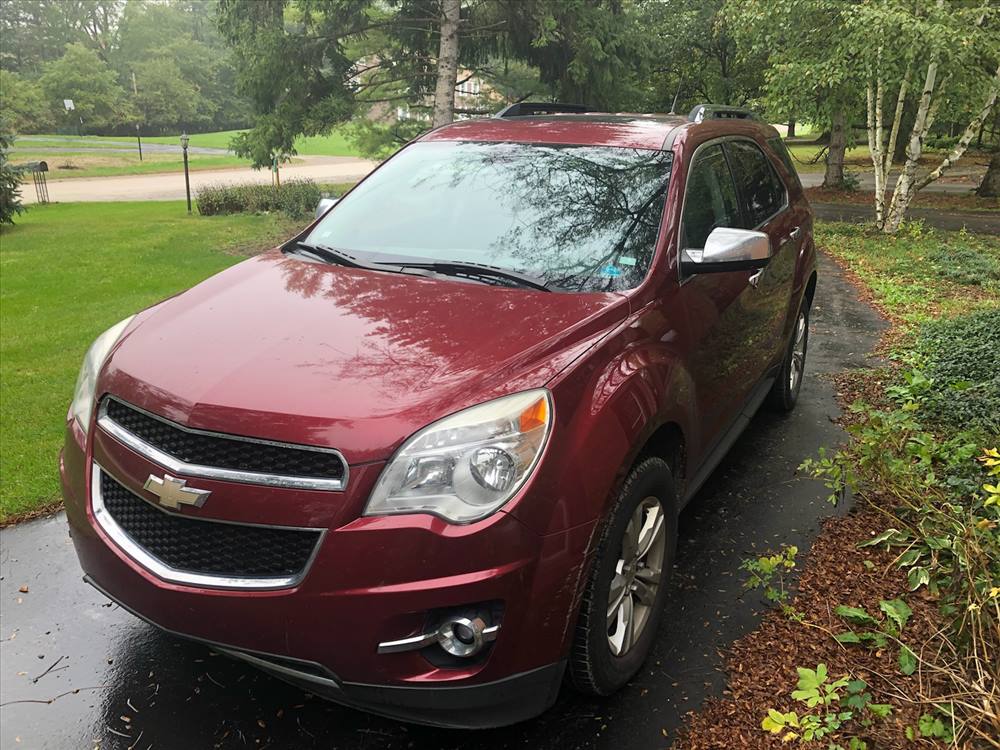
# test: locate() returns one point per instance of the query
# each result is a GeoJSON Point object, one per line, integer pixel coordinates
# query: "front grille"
{"type": "Point", "coordinates": [224, 451]}
{"type": "Point", "coordinates": [208, 547]}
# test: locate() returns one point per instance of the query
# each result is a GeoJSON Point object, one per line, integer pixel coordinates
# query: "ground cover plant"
{"type": "Point", "coordinates": [903, 594]}
{"type": "Point", "coordinates": [67, 272]}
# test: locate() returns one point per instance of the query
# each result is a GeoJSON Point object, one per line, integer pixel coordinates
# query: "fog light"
{"type": "Point", "coordinates": [462, 636]}
{"type": "Point", "coordinates": [457, 635]}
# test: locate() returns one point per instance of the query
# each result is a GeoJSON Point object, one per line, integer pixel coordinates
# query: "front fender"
{"type": "Point", "coordinates": [606, 409]}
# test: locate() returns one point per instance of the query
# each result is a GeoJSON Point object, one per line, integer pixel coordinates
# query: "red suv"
{"type": "Point", "coordinates": [427, 457]}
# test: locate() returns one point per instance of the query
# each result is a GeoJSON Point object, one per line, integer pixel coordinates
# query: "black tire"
{"type": "Point", "coordinates": [784, 394]}
{"type": "Point", "coordinates": [593, 666]}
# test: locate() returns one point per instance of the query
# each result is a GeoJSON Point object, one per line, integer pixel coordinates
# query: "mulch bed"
{"type": "Point", "coordinates": [762, 665]}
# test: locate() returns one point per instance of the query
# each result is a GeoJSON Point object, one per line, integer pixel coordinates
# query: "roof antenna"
{"type": "Point", "coordinates": [673, 107]}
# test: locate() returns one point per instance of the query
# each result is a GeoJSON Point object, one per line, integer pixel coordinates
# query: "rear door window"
{"type": "Point", "coordinates": [711, 197]}
{"type": "Point", "coordinates": [779, 147]}
{"type": "Point", "coordinates": [761, 191]}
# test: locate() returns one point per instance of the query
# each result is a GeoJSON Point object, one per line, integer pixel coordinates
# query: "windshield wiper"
{"type": "Point", "coordinates": [338, 257]}
{"type": "Point", "coordinates": [477, 271]}
{"type": "Point", "coordinates": [446, 268]}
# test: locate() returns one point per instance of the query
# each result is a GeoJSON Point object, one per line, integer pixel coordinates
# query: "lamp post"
{"type": "Point", "coordinates": [185, 138]}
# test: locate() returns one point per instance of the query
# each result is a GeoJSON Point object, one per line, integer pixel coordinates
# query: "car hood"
{"type": "Point", "coordinates": [291, 350]}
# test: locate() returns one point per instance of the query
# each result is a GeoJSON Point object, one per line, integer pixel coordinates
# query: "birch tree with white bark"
{"type": "Point", "coordinates": [931, 50]}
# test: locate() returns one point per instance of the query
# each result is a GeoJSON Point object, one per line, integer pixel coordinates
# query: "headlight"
{"type": "Point", "coordinates": [465, 466]}
{"type": "Point", "coordinates": [86, 382]}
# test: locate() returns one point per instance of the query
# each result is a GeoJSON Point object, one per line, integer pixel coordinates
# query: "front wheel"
{"type": "Point", "coordinates": [624, 595]}
{"type": "Point", "coordinates": [785, 392]}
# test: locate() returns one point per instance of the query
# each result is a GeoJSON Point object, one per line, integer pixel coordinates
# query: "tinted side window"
{"type": "Point", "coordinates": [781, 150]}
{"type": "Point", "coordinates": [761, 190]}
{"type": "Point", "coordinates": [711, 197]}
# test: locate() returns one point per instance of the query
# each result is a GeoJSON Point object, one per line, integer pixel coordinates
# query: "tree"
{"type": "Point", "coordinates": [23, 106]}
{"type": "Point", "coordinates": [10, 184]}
{"type": "Point", "coordinates": [181, 36]}
{"type": "Point", "coordinates": [589, 51]}
{"type": "Point", "coordinates": [37, 31]}
{"type": "Point", "coordinates": [696, 55]}
{"type": "Point", "coordinates": [167, 100]}
{"type": "Point", "coordinates": [81, 75]}
{"type": "Point", "coordinates": [941, 48]}
{"type": "Point", "coordinates": [310, 64]}
{"type": "Point", "coordinates": [297, 75]}
{"type": "Point", "coordinates": [810, 71]}
{"type": "Point", "coordinates": [990, 186]}
{"type": "Point", "coordinates": [447, 63]}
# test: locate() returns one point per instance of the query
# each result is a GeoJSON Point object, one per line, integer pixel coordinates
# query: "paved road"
{"type": "Point", "coordinates": [956, 181]}
{"type": "Point", "coordinates": [61, 636]}
{"type": "Point", "coordinates": [170, 186]}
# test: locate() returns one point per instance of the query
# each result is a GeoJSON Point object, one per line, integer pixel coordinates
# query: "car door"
{"type": "Point", "coordinates": [764, 203]}
{"type": "Point", "coordinates": [712, 302]}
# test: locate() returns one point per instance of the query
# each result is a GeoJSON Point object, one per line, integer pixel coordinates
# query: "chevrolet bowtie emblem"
{"type": "Point", "coordinates": [173, 493]}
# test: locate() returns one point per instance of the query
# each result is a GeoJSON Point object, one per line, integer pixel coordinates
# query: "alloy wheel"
{"type": "Point", "coordinates": [637, 576]}
{"type": "Point", "coordinates": [798, 353]}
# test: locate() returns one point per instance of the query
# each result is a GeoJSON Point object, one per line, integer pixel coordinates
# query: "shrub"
{"type": "Point", "coordinates": [10, 184]}
{"type": "Point", "coordinates": [296, 198]}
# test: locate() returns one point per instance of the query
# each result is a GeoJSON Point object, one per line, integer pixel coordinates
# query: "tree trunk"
{"type": "Point", "coordinates": [447, 64]}
{"type": "Point", "coordinates": [907, 185]}
{"type": "Point", "coordinates": [791, 128]}
{"type": "Point", "coordinates": [990, 186]}
{"type": "Point", "coordinates": [834, 177]}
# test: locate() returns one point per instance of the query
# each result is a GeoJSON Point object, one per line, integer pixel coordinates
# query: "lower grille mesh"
{"type": "Point", "coordinates": [208, 547]}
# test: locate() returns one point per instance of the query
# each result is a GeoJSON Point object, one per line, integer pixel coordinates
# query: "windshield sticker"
{"type": "Point", "coordinates": [610, 272]}
{"type": "Point", "coordinates": [626, 260]}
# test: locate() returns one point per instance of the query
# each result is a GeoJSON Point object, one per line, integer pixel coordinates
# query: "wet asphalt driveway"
{"type": "Point", "coordinates": [78, 672]}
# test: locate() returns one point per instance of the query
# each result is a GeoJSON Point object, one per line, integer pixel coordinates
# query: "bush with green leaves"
{"type": "Point", "coordinates": [769, 573]}
{"type": "Point", "coordinates": [296, 198]}
{"type": "Point", "coordinates": [10, 184]}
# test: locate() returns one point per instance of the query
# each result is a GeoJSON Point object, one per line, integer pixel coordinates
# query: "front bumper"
{"type": "Point", "coordinates": [372, 580]}
{"type": "Point", "coordinates": [481, 706]}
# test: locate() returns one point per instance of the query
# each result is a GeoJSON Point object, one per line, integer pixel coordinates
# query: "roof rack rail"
{"type": "Point", "coordinates": [720, 112]}
{"type": "Point", "coordinates": [525, 109]}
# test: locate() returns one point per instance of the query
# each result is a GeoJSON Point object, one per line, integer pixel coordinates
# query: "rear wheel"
{"type": "Point", "coordinates": [785, 392]}
{"type": "Point", "coordinates": [624, 595]}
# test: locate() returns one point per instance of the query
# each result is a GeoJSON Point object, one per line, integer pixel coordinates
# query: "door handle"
{"type": "Point", "coordinates": [794, 234]}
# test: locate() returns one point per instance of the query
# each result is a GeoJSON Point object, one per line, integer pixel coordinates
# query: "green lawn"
{"type": "Point", "coordinates": [334, 144]}
{"type": "Point", "coordinates": [67, 272]}
{"type": "Point", "coordinates": [105, 163]}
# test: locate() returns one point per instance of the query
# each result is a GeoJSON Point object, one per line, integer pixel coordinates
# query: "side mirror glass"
{"type": "Point", "coordinates": [325, 204]}
{"type": "Point", "coordinates": [728, 250]}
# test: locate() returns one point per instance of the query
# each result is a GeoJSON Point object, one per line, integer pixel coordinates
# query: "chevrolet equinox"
{"type": "Point", "coordinates": [427, 457]}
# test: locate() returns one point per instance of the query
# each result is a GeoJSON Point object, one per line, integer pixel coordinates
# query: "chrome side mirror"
{"type": "Point", "coordinates": [325, 204]}
{"type": "Point", "coordinates": [728, 250]}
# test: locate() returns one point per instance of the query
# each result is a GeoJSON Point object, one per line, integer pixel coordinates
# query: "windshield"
{"type": "Point", "coordinates": [578, 218]}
